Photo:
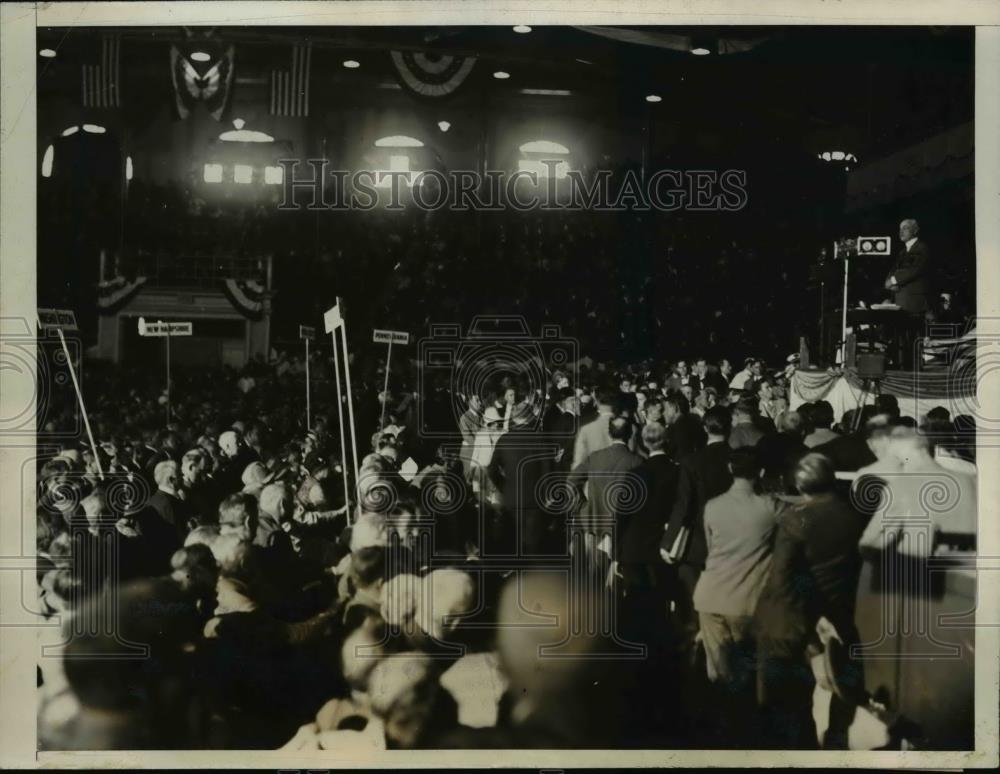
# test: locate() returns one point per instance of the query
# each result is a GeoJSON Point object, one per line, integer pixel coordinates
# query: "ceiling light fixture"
{"type": "Point", "coordinates": [48, 53]}
{"type": "Point", "coordinates": [522, 29]}
{"type": "Point", "coordinates": [500, 75]}
{"type": "Point", "coordinates": [200, 56]}
{"type": "Point", "coordinates": [398, 141]}
{"type": "Point", "coordinates": [444, 126]}
{"type": "Point", "coordinates": [654, 98]}
{"type": "Point", "coordinates": [352, 64]}
{"type": "Point", "coordinates": [245, 135]}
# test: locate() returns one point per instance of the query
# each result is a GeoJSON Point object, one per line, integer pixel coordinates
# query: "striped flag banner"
{"type": "Point", "coordinates": [290, 88]}
{"type": "Point", "coordinates": [101, 81]}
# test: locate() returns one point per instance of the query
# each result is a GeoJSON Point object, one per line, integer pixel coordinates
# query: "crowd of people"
{"type": "Point", "coordinates": [230, 579]}
{"type": "Point", "coordinates": [609, 266]}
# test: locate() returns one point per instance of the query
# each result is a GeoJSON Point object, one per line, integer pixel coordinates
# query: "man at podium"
{"type": "Point", "coordinates": [908, 279]}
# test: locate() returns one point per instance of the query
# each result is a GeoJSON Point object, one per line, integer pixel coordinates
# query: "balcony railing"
{"type": "Point", "coordinates": [167, 268]}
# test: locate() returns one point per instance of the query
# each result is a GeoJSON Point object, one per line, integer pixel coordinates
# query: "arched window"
{"type": "Point", "coordinates": [543, 157]}
{"type": "Point", "coordinates": [399, 159]}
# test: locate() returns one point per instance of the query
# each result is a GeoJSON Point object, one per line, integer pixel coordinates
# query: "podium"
{"type": "Point", "coordinates": [896, 328]}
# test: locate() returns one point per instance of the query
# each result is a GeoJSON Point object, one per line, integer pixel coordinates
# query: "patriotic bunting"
{"type": "Point", "coordinates": [208, 83]}
{"type": "Point", "coordinates": [246, 296]}
{"type": "Point", "coordinates": [114, 294]}
{"type": "Point", "coordinates": [431, 75]}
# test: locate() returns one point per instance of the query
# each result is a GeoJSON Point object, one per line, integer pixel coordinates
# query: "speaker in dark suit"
{"type": "Point", "coordinates": [909, 279]}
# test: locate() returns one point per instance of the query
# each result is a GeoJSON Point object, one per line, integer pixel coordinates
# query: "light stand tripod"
{"type": "Point", "coordinates": [870, 385]}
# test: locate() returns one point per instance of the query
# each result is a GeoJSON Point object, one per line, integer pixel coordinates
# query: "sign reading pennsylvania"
{"type": "Point", "coordinates": [384, 337]}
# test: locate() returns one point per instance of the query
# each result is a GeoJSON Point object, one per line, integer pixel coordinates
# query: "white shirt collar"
{"type": "Point", "coordinates": [909, 243]}
{"type": "Point", "coordinates": [656, 453]}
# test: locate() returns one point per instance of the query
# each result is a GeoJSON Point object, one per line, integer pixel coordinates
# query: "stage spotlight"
{"type": "Point", "coordinates": [544, 146]}
{"type": "Point", "coordinates": [444, 126]}
{"type": "Point", "coordinates": [239, 123]}
{"type": "Point", "coordinates": [70, 131]}
{"type": "Point", "coordinates": [274, 175]}
{"type": "Point", "coordinates": [500, 75]}
{"type": "Point", "coordinates": [94, 129]}
{"type": "Point", "coordinates": [245, 135]}
{"type": "Point", "coordinates": [838, 156]}
{"type": "Point", "coordinates": [398, 141]}
{"type": "Point", "coordinates": [200, 56]}
{"type": "Point", "coordinates": [47, 160]}
{"type": "Point", "coordinates": [522, 29]}
{"type": "Point", "coordinates": [352, 64]}
{"type": "Point", "coordinates": [654, 98]}
{"type": "Point", "coordinates": [243, 174]}
{"type": "Point", "coordinates": [702, 46]}
{"type": "Point", "coordinates": [48, 53]}
{"type": "Point", "coordinates": [213, 173]}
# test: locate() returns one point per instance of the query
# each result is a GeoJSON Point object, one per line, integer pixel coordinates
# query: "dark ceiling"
{"type": "Point", "coordinates": [883, 87]}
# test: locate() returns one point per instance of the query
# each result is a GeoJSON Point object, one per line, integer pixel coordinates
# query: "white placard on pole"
{"type": "Point", "coordinates": [380, 336]}
{"type": "Point", "coordinates": [340, 416]}
{"type": "Point", "coordinates": [60, 320]}
{"type": "Point", "coordinates": [385, 389]}
{"type": "Point", "coordinates": [307, 334]}
{"type": "Point", "coordinates": [843, 320]}
{"type": "Point", "coordinates": [168, 330]}
{"type": "Point", "coordinates": [168, 374]}
{"type": "Point", "coordinates": [332, 319]}
{"type": "Point", "coordinates": [347, 376]}
{"type": "Point", "coordinates": [390, 337]}
{"type": "Point", "coordinates": [160, 328]}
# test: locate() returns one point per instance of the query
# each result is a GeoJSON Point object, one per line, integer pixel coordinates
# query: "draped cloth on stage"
{"type": "Point", "coordinates": [917, 392]}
